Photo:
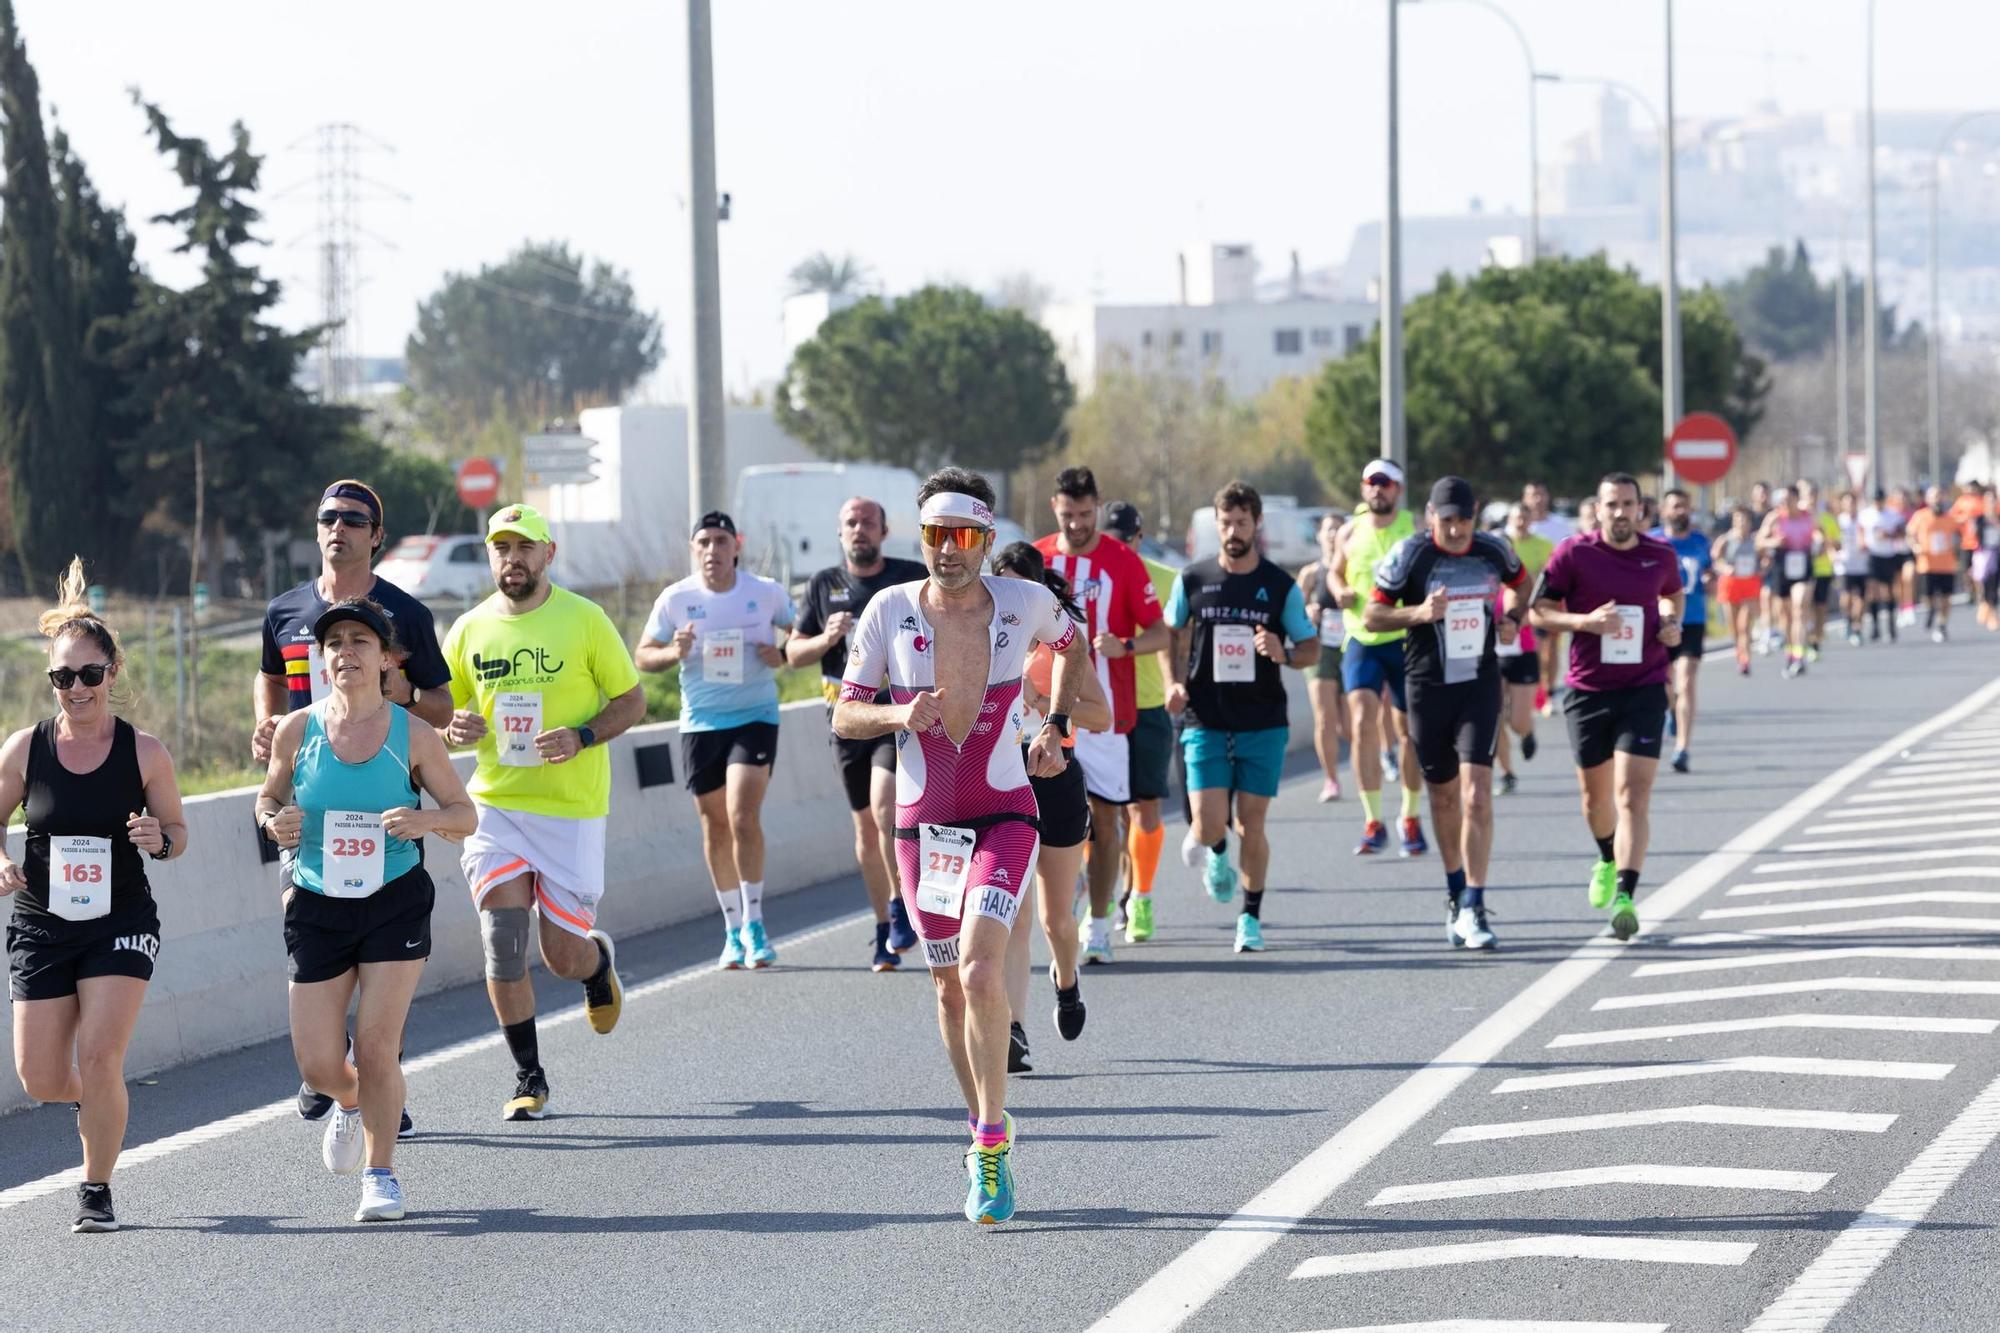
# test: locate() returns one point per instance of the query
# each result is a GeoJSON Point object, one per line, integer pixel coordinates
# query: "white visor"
{"type": "Point", "coordinates": [955, 504]}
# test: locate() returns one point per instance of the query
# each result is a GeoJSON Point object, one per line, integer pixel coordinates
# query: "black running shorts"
{"type": "Point", "coordinates": [1602, 721]}
{"type": "Point", "coordinates": [1149, 756]}
{"type": "Point", "coordinates": [1453, 724]}
{"type": "Point", "coordinates": [326, 937]}
{"type": "Point", "coordinates": [1064, 803]}
{"type": "Point", "coordinates": [47, 955]}
{"type": "Point", "coordinates": [859, 762]}
{"type": "Point", "coordinates": [1694, 640]}
{"type": "Point", "coordinates": [707, 755]}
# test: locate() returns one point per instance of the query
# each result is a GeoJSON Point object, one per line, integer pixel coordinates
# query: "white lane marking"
{"type": "Point", "coordinates": [1855, 881]}
{"type": "Point", "coordinates": [1958, 774]}
{"type": "Point", "coordinates": [1632, 1173]}
{"type": "Point", "coordinates": [1759, 1117]}
{"type": "Point", "coordinates": [1928, 768]}
{"type": "Point", "coordinates": [1816, 1066]}
{"type": "Point", "coordinates": [1503, 1326]}
{"type": "Point", "coordinates": [1978, 925]}
{"type": "Point", "coordinates": [1862, 826]}
{"type": "Point", "coordinates": [1977, 1027]}
{"type": "Point", "coordinates": [1874, 985]}
{"type": "Point", "coordinates": [1859, 808]}
{"type": "Point", "coordinates": [1940, 897]}
{"type": "Point", "coordinates": [1880, 798]}
{"type": "Point", "coordinates": [1985, 850]}
{"type": "Point", "coordinates": [1883, 840]}
{"type": "Point", "coordinates": [1977, 953]}
{"type": "Point", "coordinates": [1830, 1281]}
{"type": "Point", "coordinates": [1192, 1278]}
{"type": "Point", "coordinates": [1621, 1249]}
{"type": "Point", "coordinates": [142, 1153]}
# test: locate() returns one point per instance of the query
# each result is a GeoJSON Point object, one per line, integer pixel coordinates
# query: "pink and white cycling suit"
{"type": "Point", "coordinates": [979, 784]}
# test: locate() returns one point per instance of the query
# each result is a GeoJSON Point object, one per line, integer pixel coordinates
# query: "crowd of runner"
{"type": "Point", "coordinates": [998, 719]}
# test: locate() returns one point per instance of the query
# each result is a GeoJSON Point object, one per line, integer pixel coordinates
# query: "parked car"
{"type": "Point", "coordinates": [438, 567]}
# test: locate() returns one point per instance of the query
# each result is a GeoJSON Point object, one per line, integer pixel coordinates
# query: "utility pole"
{"type": "Point", "coordinates": [1841, 432]}
{"type": "Point", "coordinates": [1670, 301]}
{"type": "Point", "coordinates": [1871, 384]}
{"type": "Point", "coordinates": [1395, 442]}
{"type": "Point", "coordinates": [707, 453]}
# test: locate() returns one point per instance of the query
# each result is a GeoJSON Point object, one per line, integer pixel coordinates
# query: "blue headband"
{"type": "Point", "coordinates": [341, 490]}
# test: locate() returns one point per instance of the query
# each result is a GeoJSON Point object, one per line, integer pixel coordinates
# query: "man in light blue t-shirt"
{"type": "Point", "coordinates": [725, 629]}
{"type": "Point", "coordinates": [1697, 572]}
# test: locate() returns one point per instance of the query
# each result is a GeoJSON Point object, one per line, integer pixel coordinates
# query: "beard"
{"type": "Point", "coordinates": [530, 584]}
{"type": "Point", "coordinates": [1236, 548]}
{"type": "Point", "coordinates": [1679, 526]}
{"type": "Point", "coordinates": [864, 553]}
{"type": "Point", "coordinates": [1621, 529]}
{"type": "Point", "coordinates": [1381, 504]}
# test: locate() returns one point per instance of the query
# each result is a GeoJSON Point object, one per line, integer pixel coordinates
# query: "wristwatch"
{"type": "Point", "coordinates": [166, 847]}
{"type": "Point", "coordinates": [587, 736]}
{"type": "Point", "coordinates": [1128, 646]}
{"type": "Point", "coordinates": [1060, 721]}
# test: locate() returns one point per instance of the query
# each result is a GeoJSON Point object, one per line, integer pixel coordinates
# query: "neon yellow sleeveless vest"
{"type": "Point", "coordinates": [1366, 545]}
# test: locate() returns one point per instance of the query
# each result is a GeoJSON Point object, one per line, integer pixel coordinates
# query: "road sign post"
{"type": "Point", "coordinates": [1857, 475]}
{"type": "Point", "coordinates": [478, 483]}
{"type": "Point", "coordinates": [1701, 449]}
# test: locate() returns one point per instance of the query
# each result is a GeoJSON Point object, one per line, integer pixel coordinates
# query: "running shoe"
{"type": "Point", "coordinates": [531, 1096]}
{"type": "Point", "coordinates": [1329, 791]}
{"type": "Point", "coordinates": [604, 995]}
{"type": "Point", "coordinates": [1742, 666]}
{"type": "Point", "coordinates": [1937, 635]}
{"type": "Point", "coordinates": [1191, 850]}
{"type": "Point", "coordinates": [1249, 934]}
{"type": "Point", "coordinates": [1219, 877]}
{"type": "Point", "coordinates": [1680, 761]}
{"type": "Point", "coordinates": [1812, 652]}
{"type": "Point", "coordinates": [1529, 745]}
{"type": "Point", "coordinates": [1413, 838]}
{"type": "Point", "coordinates": [757, 948]}
{"type": "Point", "coordinates": [1624, 917]}
{"type": "Point", "coordinates": [313, 1104]}
{"type": "Point", "coordinates": [407, 1129]}
{"type": "Point", "coordinates": [1095, 933]}
{"type": "Point", "coordinates": [93, 1209]}
{"type": "Point", "coordinates": [1469, 929]}
{"type": "Point", "coordinates": [1139, 924]}
{"type": "Point", "coordinates": [1603, 884]}
{"type": "Point", "coordinates": [1450, 920]}
{"type": "Point", "coordinates": [1392, 768]}
{"type": "Point", "coordinates": [991, 1196]}
{"type": "Point", "coordinates": [1794, 667]}
{"type": "Point", "coordinates": [1374, 839]}
{"type": "Point", "coordinates": [1507, 784]}
{"type": "Point", "coordinates": [1069, 1007]}
{"type": "Point", "coordinates": [732, 951]}
{"type": "Point", "coordinates": [341, 1146]}
{"type": "Point", "coordinates": [381, 1196]}
{"type": "Point", "coordinates": [1853, 639]}
{"type": "Point", "coordinates": [885, 957]}
{"type": "Point", "coordinates": [902, 938]}
{"type": "Point", "coordinates": [1017, 1050]}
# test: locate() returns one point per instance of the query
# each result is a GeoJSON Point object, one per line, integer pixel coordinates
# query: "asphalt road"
{"type": "Point", "coordinates": [1355, 1129]}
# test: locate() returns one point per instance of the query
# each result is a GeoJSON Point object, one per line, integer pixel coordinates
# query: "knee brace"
{"type": "Point", "coordinates": [505, 932]}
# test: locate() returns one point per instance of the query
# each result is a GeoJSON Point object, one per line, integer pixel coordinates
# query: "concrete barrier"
{"type": "Point", "coordinates": [219, 983]}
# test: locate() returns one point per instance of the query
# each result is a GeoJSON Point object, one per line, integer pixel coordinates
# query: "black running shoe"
{"type": "Point", "coordinates": [313, 1104]}
{"type": "Point", "coordinates": [1017, 1050]}
{"type": "Point", "coordinates": [407, 1129]}
{"type": "Point", "coordinates": [93, 1209]}
{"type": "Point", "coordinates": [1506, 784]}
{"type": "Point", "coordinates": [1680, 761]}
{"type": "Point", "coordinates": [1069, 1006]}
{"type": "Point", "coordinates": [531, 1096]}
{"type": "Point", "coordinates": [1528, 746]}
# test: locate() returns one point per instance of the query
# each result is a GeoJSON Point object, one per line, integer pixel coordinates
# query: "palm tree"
{"type": "Point", "coordinates": [840, 275]}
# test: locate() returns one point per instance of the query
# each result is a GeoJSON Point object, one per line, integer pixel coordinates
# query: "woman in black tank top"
{"type": "Point", "coordinates": [101, 803]}
{"type": "Point", "coordinates": [1323, 681]}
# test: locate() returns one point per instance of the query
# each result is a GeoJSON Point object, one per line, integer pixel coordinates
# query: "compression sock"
{"type": "Point", "coordinates": [1145, 848]}
{"type": "Point", "coordinates": [1606, 851]}
{"type": "Point", "coordinates": [731, 903]}
{"type": "Point", "coordinates": [753, 901]}
{"type": "Point", "coordinates": [1371, 806]}
{"type": "Point", "coordinates": [1628, 881]}
{"type": "Point", "coordinates": [990, 1136]}
{"type": "Point", "coordinates": [1454, 884]}
{"type": "Point", "coordinates": [1253, 904]}
{"type": "Point", "coordinates": [1413, 803]}
{"type": "Point", "coordinates": [521, 1043]}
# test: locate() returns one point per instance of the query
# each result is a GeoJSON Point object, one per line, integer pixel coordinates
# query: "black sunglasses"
{"type": "Point", "coordinates": [93, 675]}
{"type": "Point", "coordinates": [353, 518]}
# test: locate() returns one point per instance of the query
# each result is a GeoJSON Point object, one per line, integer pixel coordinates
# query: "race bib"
{"type": "Point", "coordinates": [1233, 653]}
{"type": "Point", "coordinates": [722, 656]}
{"type": "Point", "coordinates": [1746, 564]}
{"type": "Point", "coordinates": [1940, 543]}
{"type": "Point", "coordinates": [79, 877]}
{"type": "Point", "coordinates": [1502, 648]}
{"type": "Point", "coordinates": [322, 680]}
{"type": "Point", "coordinates": [944, 860]}
{"type": "Point", "coordinates": [1690, 573]}
{"type": "Point", "coordinates": [1624, 646]}
{"type": "Point", "coordinates": [1795, 565]}
{"type": "Point", "coordinates": [517, 717]}
{"type": "Point", "coordinates": [351, 853]}
{"type": "Point", "coordinates": [1464, 627]}
{"type": "Point", "coordinates": [1332, 627]}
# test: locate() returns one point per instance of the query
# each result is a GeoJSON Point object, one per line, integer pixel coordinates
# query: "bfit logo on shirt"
{"type": "Point", "coordinates": [537, 664]}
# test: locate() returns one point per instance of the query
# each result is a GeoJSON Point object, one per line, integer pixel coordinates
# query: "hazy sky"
{"type": "Point", "coordinates": [1083, 141]}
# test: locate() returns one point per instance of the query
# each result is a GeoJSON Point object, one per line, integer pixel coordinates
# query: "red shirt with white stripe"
{"type": "Point", "coordinates": [1111, 584]}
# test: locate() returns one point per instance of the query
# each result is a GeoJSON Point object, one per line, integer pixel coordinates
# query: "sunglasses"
{"type": "Point", "coordinates": [940, 536]}
{"type": "Point", "coordinates": [353, 518]}
{"type": "Point", "coordinates": [93, 675]}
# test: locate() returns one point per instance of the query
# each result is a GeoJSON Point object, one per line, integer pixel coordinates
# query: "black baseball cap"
{"type": "Point", "coordinates": [714, 518]}
{"type": "Point", "coordinates": [358, 609]}
{"type": "Point", "coordinates": [1121, 519]}
{"type": "Point", "coordinates": [1451, 497]}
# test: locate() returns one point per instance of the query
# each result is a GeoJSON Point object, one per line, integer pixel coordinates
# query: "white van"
{"type": "Point", "coordinates": [788, 514]}
{"type": "Point", "coordinates": [1290, 534]}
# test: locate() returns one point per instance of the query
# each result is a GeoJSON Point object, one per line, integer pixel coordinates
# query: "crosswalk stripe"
{"type": "Point", "coordinates": [1854, 881]}
{"type": "Point", "coordinates": [1976, 953]}
{"type": "Point", "coordinates": [1883, 840]}
{"type": "Point", "coordinates": [1622, 1249]}
{"type": "Point", "coordinates": [1817, 1066]}
{"type": "Point", "coordinates": [1984, 850]}
{"type": "Point", "coordinates": [1862, 826]}
{"type": "Point", "coordinates": [1877, 985]}
{"type": "Point", "coordinates": [1978, 925]}
{"type": "Point", "coordinates": [1760, 1117]}
{"type": "Point", "coordinates": [1941, 897]}
{"type": "Point", "coordinates": [1925, 779]}
{"type": "Point", "coordinates": [1503, 1326]}
{"type": "Point", "coordinates": [1862, 806]}
{"type": "Point", "coordinates": [1978, 1027]}
{"type": "Point", "coordinates": [1633, 1173]}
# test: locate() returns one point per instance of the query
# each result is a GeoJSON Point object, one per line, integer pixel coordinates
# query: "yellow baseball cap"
{"type": "Point", "coordinates": [521, 520]}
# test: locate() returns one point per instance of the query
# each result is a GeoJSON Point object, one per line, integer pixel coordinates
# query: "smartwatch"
{"type": "Point", "coordinates": [1128, 646]}
{"type": "Point", "coordinates": [166, 847]}
{"type": "Point", "coordinates": [1060, 721]}
{"type": "Point", "coordinates": [587, 736]}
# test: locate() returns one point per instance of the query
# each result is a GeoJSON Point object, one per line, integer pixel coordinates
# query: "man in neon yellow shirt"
{"type": "Point", "coordinates": [540, 680]}
{"type": "Point", "coordinates": [1822, 565]}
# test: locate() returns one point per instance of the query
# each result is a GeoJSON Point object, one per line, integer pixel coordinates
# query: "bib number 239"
{"type": "Point", "coordinates": [352, 853]}
{"type": "Point", "coordinates": [944, 856]}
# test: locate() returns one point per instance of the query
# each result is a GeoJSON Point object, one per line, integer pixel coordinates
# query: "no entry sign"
{"type": "Point", "coordinates": [1702, 448]}
{"type": "Point", "coordinates": [478, 482]}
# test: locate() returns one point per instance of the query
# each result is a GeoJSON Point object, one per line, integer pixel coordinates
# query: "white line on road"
{"type": "Point", "coordinates": [1817, 1066]}
{"type": "Point", "coordinates": [1977, 953]}
{"type": "Point", "coordinates": [1985, 850]}
{"type": "Point", "coordinates": [1855, 881]}
{"type": "Point", "coordinates": [1922, 821]}
{"type": "Point", "coordinates": [1884, 840]}
{"type": "Point", "coordinates": [1759, 1117]}
{"type": "Point", "coordinates": [1192, 1278]}
{"type": "Point", "coordinates": [1632, 1173]}
{"type": "Point", "coordinates": [1940, 897]}
{"type": "Point", "coordinates": [1874, 985]}
{"type": "Point", "coordinates": [1977, 925]}
{"type": "Point", "coordinates": [1621, 1249]}
{"type": "Point", "coordinates": [1830, 1281]}
{"type": "Point", "coordinates": [1859, 806]}
{"type": "Point", "coordinates": [1503, 1326]}
{"type": "Point", "coordinates": [1926, 780]}
{"type": "Point", "coordinates": [1977, 1027]}
{"type": "Point", "coordinates": [1880, 798]}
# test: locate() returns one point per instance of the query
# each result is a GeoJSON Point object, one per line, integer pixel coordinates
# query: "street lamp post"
{"type": "Point", "coordinates": [706, 468]}
{"type": "Point", "coordinates": [1534, 132]}
{"type": "Point", "coordinates": [1936, 333]}
{"type": "Point", "coordinates": [1395, 443]}
{"type": "Point", "coordinates": [1871, 417]}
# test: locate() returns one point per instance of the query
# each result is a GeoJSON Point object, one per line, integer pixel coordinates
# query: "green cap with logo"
{"type": "Point", "coordinates": [521, 520]}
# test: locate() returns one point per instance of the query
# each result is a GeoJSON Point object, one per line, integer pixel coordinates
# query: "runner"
{"type": "Point", "coordinates": [834, 599]}
{"type": "Point", "coordinates": [724, 628]}
{"type": "Point", "coordinates": [1064, 807]}
{"type": "Point", "coordinates": [1789, 539]}
{"type": "Point", "coordinates": [1619, 594]}
{"type": "Point", "coordinates": [1935, 542]}
{"type": "Point", "coordinates": [1151, 744]}
{"type": "Point", "coordinates": [1906, 576]}
{"type": "Point", "coordinates": [1374, 659]}
{"type": "Point", "coordinates": [99, 798]}
{"type": "Point", "coordinates": [1697, 575]}
{"type": "Point", "coordinates": [1825, 554]}
{"type": "Point", "coordinates": [952, 650]}
{"type": "Point", "coordinates": [1742, 589]}
{"type": "Point", "coordinates": [1985, 567]}
{"type": "Point", "coordinates": [1768, 632]}
{"type": "Point", "coordinates": [550, 671]}
{"type": "Point", "coordinates": [1440, 586]}
{"type": "Point", "coordinates": [341, 799]}
{"type": "Point", "coordinates": [1520, 660]}
{"type": "Point", "coordinates": [1552, 528]}
{"type": "Point", "coordinates": [1237, 618]}
{"type": "Point", "coordinates": [1882, 532]}
{"type": "Point", "coordinates": [1853, 566]}
{"type": "Point", "coordinates": [1329, 703]}
{"type": "Point", "coordinates": [1122, 617]}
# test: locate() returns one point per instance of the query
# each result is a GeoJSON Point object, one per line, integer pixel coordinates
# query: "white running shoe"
{"type": "Point", "coordinates": [341, 1146]}
{"type": "Point", "coordinates": [381, 1198]}
{"type": "Point", "coordinates": [1096, 935]}
{"type": "Point", "coordinates": [1191, 850]}
{"type": "Point", "coordinates": [1471, 929]}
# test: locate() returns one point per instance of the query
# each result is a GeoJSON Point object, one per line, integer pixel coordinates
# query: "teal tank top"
{"type": "Point", "coordinates": [342, 850]}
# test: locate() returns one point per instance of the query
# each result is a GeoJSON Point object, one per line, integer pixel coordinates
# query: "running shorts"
{"type": "Point", "coordinates": [47, 956]}
{"type": "Point", "coordinates": [1633, 719]}
{"type": "Point", "coordinates": [1822, 589]}
{"type": "Point", "coordinates": [1370, 666]}
{"type": "Point", "coordinates": [1738, 589]}
{"type": "Point", "coordinates": [859, 762]}
{"type": "Point", "coordinates": [1782, 586]}
{"type": "Point", "coordinates": [1327, 666]}
{"type": "Point", "coordinates": [1150, 745]}
{"type": "Point", "coordinates": [707, 755]}
{"type": "Point", "coordinates": [1003, 860]}
{"type": "Point", "coordinates": [1525, 669]}
{"type": "Point", "coordinates": [1107, 765]}
{"type": "Point", "coordinates": [1064, 805]}
{"type": "Point", "coordinates": [1884, 568]}
{"type": "Point", "coordinates": [566, 857]}
{"type": "Point", "coordinates": [1694, 639]}
{"type": "Point", "coordinates": [1247, 761]}
{"type": "Point", "coordinates": [1453, 724]}
{"type": "Point", "coordinates": [1856, 585]}
{"type": "Point", "coordinates": [1940, 585]}
{"type": "Point", "coordinates": [330, 937]}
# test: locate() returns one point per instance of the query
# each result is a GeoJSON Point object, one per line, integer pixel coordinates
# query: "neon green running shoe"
{"type": "Point", "coordinates": [1603, 884]}
{"type": "Point", "coordinates": [1139, 924]}
{"type": "Point", "coordinates": [1624, 917]}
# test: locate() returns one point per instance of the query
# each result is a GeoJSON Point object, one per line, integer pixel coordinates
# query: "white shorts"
{"type": "Point", "coordinates": [1107, 765]}
{"type": "Point", "coordinates": [566, 857]}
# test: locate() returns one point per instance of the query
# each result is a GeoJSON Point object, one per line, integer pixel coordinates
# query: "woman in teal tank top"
{"type": "Point", "coordinates": [340, 800]}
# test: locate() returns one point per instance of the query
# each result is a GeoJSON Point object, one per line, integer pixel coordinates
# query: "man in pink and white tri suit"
{"type": "Point", "coordinates": [952, 648]}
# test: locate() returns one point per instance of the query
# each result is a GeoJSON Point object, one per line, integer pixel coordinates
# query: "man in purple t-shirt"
{"type": "Point", "coordinates": [1618, 595]}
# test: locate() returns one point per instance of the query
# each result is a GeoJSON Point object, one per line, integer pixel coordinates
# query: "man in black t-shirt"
{"type": "Point", "coordinates": [833, 602]}
{"type": "Point", "coordinates": [1442, 585]}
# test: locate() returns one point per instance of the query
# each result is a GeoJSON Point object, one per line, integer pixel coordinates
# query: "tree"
{"type": "Point", "coordinates": [933, 377]}
{"type": "Point", "coordinates": [531, 337]}
{"type": "Point", "coordinates": [1550, 371]}
{"type": "Point", "coordinates": [1786, 313]}
{"type": "Point", "coordinates": [842, 275]}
